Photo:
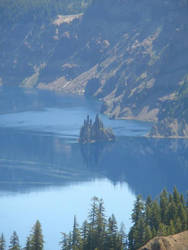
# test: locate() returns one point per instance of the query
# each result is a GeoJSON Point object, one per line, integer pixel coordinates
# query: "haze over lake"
{"type": "Point", "coordinates": [45, 174]}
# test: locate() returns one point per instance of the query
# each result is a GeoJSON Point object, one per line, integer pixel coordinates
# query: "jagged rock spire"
{"type": "Point", "coordinates": [94, 132]}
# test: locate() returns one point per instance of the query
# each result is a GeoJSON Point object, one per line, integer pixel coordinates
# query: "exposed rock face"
{"type": "Point", "coordinates": [169, 127]}
{"type": "Point", "coordinates": [95, 132]}
{"type": "Point", "coordinates": [175, 242]}
{"type": "Point", "coordinates": [131, 54]}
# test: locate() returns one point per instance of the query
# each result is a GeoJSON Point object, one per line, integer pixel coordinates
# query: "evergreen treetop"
{"type": "Point", "coordinates": [14, 242]}
{"type": "Point", "coordinates": [168, 215]}
{"type": "Point", "coordinates": [36, 238]}
{"type": "Point", "coordinates": [2, 242]}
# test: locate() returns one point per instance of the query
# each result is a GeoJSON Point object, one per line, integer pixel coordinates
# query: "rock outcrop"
{"type": "Point", "coordinates": [174, 242]}
{"type": "Point", "coordinates": [95, 132]}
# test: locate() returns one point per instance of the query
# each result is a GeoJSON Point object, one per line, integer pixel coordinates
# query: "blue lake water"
{"type": "Point", "coordinates": [45, 174]}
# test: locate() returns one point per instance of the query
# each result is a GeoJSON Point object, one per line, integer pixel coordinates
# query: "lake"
{"type": "Point", "coordinates": [46, 174]}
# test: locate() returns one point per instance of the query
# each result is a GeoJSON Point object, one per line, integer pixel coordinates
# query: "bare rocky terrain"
{"type": "Point", "coordinates": [174, 242]}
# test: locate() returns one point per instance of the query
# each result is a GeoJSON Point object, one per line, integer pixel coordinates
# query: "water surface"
{"type": "Point", "coordinates": [45, 174]}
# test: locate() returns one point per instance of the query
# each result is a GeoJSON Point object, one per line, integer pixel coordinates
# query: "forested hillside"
{"type": "Point", "coordinates": [130, 54]}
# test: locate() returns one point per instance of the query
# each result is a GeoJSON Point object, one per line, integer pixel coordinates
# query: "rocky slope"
{"type": "Point", "coordinates": [33, 34]}
{"type": "Point", "coordinates": [133, 55]}
{"type": "Point", "coordinates": [173, 118]}
{"type": "Point", "coordinates": [175, 242]}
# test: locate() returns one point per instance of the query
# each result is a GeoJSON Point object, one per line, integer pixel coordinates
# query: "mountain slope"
{"type": "Point", "coordinates": [133, 55]}
{"type": "Point", "coordinates": [30, 36]}
{"type": "Point", "coordinates": [134, 58]}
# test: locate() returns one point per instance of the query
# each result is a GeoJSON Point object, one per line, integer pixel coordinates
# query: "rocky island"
{"type": "Point", "coordinates": [92, 132]}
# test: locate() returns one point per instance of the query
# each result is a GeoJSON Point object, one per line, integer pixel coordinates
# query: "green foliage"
{"type": "Point", "coordinates": [2, 242]}
{"type": "Point", "coordinates": [14, 242]}
{"type": "Point", "coordinates": [96, 233]}
{"type": "Point", "coordinates": [35, 241]}
{"type": "Point", "coordinates": [76, 236]}
{"type": "Point", "coordinates": [138, 210]}
{"type": "Point", "coordinates": [95, 132]}
{"type": "Point", "coordinates": [168, 215]}
{"type": "Point", "coordinates": [28, 244]}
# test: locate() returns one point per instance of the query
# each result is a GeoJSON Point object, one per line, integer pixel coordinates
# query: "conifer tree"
{"type": "Point", "coordinates": [176, 196]}
{"type": "Point", "coordinates": [14, 242]}
{"type": "Point", "coordinates": [178, 225]}
{"type": "Point", "coordinates": [28, 244]}
{"type": "Point", "coordinates": [148, 210]}
{"type": "Point", "coordinates": [70, 241]}
{"type": "Point", "coordinates": [123, 239]}
{"type": "Point", "coordinates": [95, 233]}
{"type": "Point", "coordinates": [135, 235]}
{"type": "Point", "coordinates": [172, 211]}
{"type": "Point", "coordinates": [37, 237]}
{"type": "Point", "coordinates": [93, 213]}
{"type": "Point", "coordinates": [84, 234]}
{"type": "Point", "coordinates": [76, 237]}
{"type": "Point", "coordinates": [66, 242]}
{"type": "Point", "coordinates": [167, 216]}
{"type": "Point", "coordinates": [163, 230]}
{"type": "Point", "coordinates": [182, 200]}
{"type": "Point", "coordinates": [114, 238]}
{"type": "Point", "coordinates": [137, 210]}
{"type": "Point", "coordinates": [171, 227]}
{"type": "Point", "coordinates": [156, 216]}
{"type": "Point", "coordinates": [2, 242]}
{"type": "Point", "coordinates": [182, 215]}
{"type": "Point", "coordinates": [97, 224]}
{"type": "Point", "coordinates": [101, 224]}
{"type": "Point", "coordinates": [147, 234]}
{"type": "Point", "coordinates": [148, 221]}
{"type": "Point", "coordinates": [131, 238]}
{"type": "Point", "coordinates": [112, 233]}
{"type": "Point", "coordinates": [164, 206]}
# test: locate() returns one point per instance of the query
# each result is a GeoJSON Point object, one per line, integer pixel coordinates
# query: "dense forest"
{"type": "Point", "coordinates": [167, 215]}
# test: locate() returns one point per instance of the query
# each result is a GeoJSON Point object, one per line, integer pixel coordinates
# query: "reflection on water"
{"type": "Point", "coordinates": [39, 153]}
{"type": "Point", "coordinates": [148, 165]}
{"type": "Point", "coordinates": [92, 153]}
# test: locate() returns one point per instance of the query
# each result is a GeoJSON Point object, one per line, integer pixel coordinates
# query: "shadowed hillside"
{"type": "Point", "coordinates": [130, 54]}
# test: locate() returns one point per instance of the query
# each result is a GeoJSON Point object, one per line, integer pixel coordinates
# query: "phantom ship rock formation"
{"type": "Point", "coordinates": [95, 132]}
